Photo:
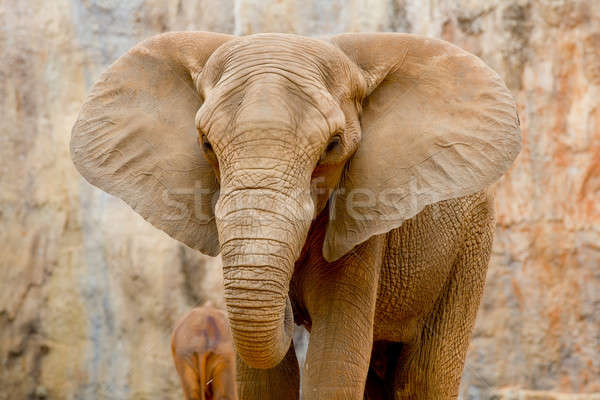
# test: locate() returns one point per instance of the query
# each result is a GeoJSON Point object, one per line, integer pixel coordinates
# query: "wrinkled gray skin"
{"type": "Point", "coordinates": [284, 121]}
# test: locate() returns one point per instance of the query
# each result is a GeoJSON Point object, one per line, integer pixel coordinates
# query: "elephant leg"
{"type": "Point", "coordinates": [431, 366]}
{"type": "Point", "coordinates": [341, 305]}
{"type": "Point", "coordinates": [281, 382]}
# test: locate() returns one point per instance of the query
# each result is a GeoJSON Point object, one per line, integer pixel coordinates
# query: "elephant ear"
{"type": "Point", "coordinates": [437, 124]}
{"type": "Point", "coordinates": [135, 136]}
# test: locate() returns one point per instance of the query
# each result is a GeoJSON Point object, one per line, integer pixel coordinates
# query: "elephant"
{"type": "Point", "coordinates": [345, 181]}
{"type": "Point", "coordinates": [203, 354]}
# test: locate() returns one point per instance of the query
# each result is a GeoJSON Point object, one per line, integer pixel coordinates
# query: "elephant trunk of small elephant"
{"type": "Point", "coordinates": [261, 233]}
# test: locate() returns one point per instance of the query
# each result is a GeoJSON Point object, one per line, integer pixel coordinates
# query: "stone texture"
{"type": "Point", "coordinates": [89, 291]}
{"type": "Point", "coordinates": [516, 394]}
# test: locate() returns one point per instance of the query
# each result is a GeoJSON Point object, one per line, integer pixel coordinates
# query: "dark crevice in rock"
{"type": "Point", "coordinates": [398, 21]}
{"type": "Point", "coordinates": [516, 20]}
{"type": "Point", "coordinates": [469, 23]}
{"type": "Point", "coordinates": [194, 272]}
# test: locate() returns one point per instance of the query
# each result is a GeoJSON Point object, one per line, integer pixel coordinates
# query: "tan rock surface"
{"type": "Point", "coordinates": [89, 291]}
{"type": "Point", "coordinates": [516, 394]}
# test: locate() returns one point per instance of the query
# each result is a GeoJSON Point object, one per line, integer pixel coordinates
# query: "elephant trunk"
{"type": "Point", "coordinates": [262, 231]}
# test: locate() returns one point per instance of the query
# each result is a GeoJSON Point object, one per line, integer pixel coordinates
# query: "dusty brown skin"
{"type": "Point", "coordinates": [387, 271]}
{"type": "Point", "coordinates": [203, 353]}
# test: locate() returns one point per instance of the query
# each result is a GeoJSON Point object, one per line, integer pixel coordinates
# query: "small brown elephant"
{"type": "Point", "coordinates": [344, 180]}
{"type": "Point", "coordinates": [202, 349]}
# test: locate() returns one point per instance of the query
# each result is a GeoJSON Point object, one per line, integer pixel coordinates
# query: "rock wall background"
{"type": "Point", "coordinates": [89, 291]}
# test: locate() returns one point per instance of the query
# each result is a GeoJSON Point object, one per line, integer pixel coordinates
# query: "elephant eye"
{"type": "Point", "coordinates": [206, 146]}
{"type": "Point", "coordinates": [334, 142]}
{"type": "Point", "coordinates": [331, 153]}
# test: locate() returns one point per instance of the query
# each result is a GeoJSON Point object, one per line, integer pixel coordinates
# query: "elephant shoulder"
{"type": "Point", "coordinates": [441, 228]}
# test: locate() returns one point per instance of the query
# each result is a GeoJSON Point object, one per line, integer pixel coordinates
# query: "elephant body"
{"type": "Point", "coordinates": [429, 274]}
{"type": "Point", "coordinates": [203, 354]}
{"type": "Point", "coordinates": [343, 180]}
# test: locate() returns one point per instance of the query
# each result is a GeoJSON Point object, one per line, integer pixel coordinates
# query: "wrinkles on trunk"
{"type": "Point", "coordinates": [261, 234]}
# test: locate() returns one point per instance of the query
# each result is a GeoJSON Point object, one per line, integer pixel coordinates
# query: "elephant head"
{"type": "Point", "coordinates": [237, 143]}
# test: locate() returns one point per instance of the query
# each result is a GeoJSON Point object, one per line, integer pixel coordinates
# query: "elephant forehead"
{"type": "Point", "coordinates": [303, 61]}
{"type": "Point", "coordinates": [283, 84]}
{"type": "Point", "coordinates": [267, 105]}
